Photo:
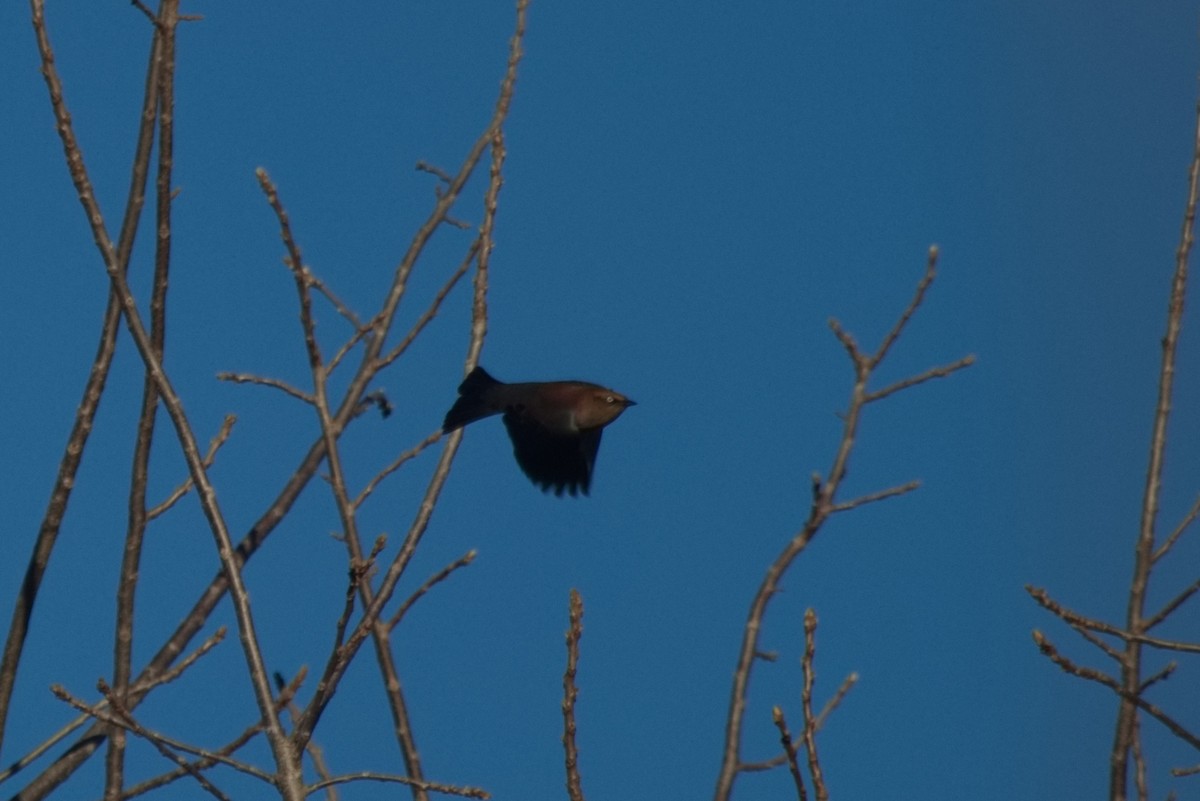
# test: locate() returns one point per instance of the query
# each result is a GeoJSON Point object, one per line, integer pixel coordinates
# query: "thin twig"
{"type": "Point", "coordinates": [424, 166]}
{"type": "Point", "coordinates": [1162, 675]}
{"type": "Point", "coordinates": [359, 568]}
{"type": "Point", "coordinates": [1079, 622]}
{"type": "Point", "coordinates": [789, 752]}
{"type": "Point", "coordinates": [881, 495]}
{"type": "Point", "coordinates": [300, 273]}
{"type": "Point", "coordinates": [1170, 541]}
{"type": "Point", "coordinates": [928, 375]}
{"type": "Point", "coordinates": [808, 668]}
{"type": "Point", "coordinates": [395, 465]}
{"type": "Point", "coordinates": [1082, 625]}
{"type": "Point", "coordinates": [366, 331]}
{"type": "Point", "coordinates": [436, 304]}
{"type": "Point", "coordinates": [570, 694]}
{"type": "Point", "coordinates": [274, 383]}
{"type": "Point", "coordinates": [764, 765]}
{"type": "Point", "coordinates": [425, 786]}
{"type": "Point", "coordinates": [338, 304]}
{"type": "Point", "coordinates": [832, 704]}
{"type": "Point", "coordinates": [918, 296]}
{"type": "Point", "coordinates": [1173, 604]}
{"type": "Point", "coordinates": [429, 584]}
{"type": "Point", "coordinates": [209, 457]}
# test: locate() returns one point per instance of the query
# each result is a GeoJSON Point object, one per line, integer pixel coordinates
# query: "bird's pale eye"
{"type": "Point", "coordinates": [609, 399]}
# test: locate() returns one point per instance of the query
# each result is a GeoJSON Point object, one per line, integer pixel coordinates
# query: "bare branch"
{"type": "Point", "coordinates": [396, 464]}
{"type": "Point", "coordinates": [274, 383]}
{"type": "Point", "coordinates": [1161, 675]}
{"type": "Point", "coordinates": [789, 752]}
{"type": "Point", "coordinates": [183, 489]}
{"type": "Point", "coordinates": [928, 375]}
{"type": "Point", "coordinates": [426, 786]}
{"type": "Point", "coordinates": [1091, 674]}
{"type": "Point", "coordinates": [337, 303]}
{"type": "Point", "coordinates": [300, 273]}
{"type": "Point", "coordinates": [434, 306]}
{"type": "Point", "coordinates": [359, 569]}
{"type": "Point", "coordinates": [1171, 605]}
{"type": "Point", "coordinates": [832, 704]}
{"type": "Point", "coordinates": [918, 296]}
{"type": "Point", "coordinates": [881, 495]}
{"type": "Point", "coordinates": [424, 166]}
{"type": "Point", "coordinates": [848, 342]}
{"type": "Point", "coordinates": [429, 584]}
{"type": "Point", "coordinates": [764, 765]}
{"type": "Point", "coordinates": [1170, 541]}
{"type": "Point", "coordinates": [810, 724]}
{"type": "Point", "coordinates": [570, 693]}
{"type": "Point", "coordinates": [1078, 622]}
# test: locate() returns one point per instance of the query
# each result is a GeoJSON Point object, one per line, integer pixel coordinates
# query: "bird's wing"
{"type": "Point", "coordinates": [553, 461]}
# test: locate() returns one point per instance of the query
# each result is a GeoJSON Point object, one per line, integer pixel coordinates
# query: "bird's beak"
{"type": "Point", "coordinates": [629, 402]}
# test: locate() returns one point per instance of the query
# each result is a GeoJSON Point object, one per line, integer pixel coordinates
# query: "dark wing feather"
{"type": "Point", "coordinates": [553, 461]}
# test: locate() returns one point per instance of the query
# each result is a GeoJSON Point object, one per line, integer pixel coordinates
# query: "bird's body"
{"type": "Point", "coordinates": [554, 425]}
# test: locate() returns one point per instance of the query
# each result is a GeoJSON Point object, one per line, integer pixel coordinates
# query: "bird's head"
{"type": "Point", "coordinates": [598, 407]}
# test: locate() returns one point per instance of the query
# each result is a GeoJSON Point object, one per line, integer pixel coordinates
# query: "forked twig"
{"type": "Point", "coordinates": [824, 503]}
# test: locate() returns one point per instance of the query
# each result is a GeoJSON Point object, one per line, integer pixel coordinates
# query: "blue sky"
{"type": "Point", "coordinates": [691, 191]}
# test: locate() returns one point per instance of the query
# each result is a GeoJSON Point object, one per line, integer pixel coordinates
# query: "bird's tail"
{"type": "Point", "coordinates": [472, 403]}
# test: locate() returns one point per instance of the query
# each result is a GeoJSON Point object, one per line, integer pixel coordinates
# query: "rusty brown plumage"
{"type": "Point", "coordinates": [555, 426]}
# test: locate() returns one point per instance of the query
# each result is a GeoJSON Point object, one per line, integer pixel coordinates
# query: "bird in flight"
{"type": "Point", "coordinates": [554, 426]}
